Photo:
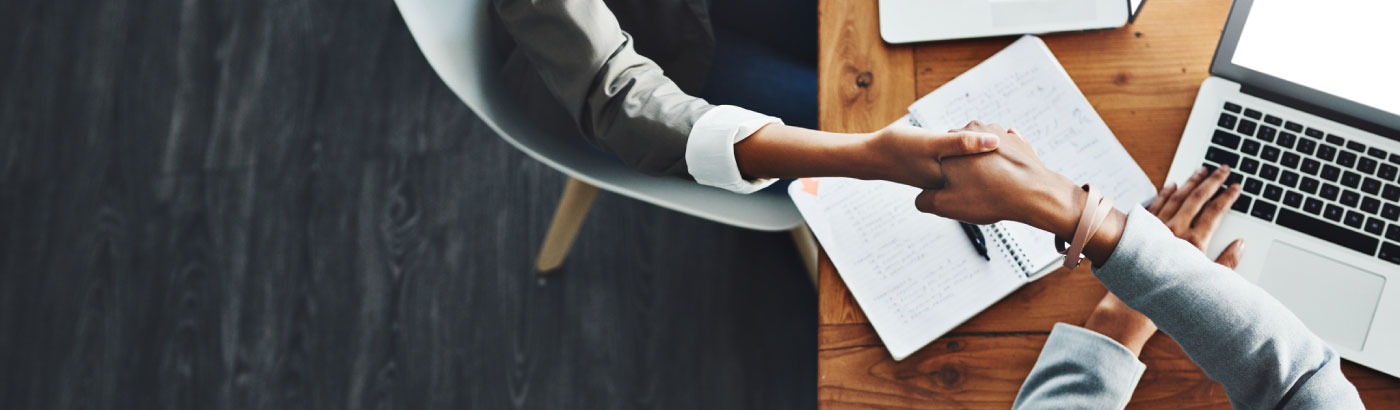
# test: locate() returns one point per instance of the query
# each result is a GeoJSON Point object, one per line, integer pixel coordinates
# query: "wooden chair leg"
{"type": "Point", "coordinates": [568, 217]}
{"type": "Point", "coordinates": [807, 249]}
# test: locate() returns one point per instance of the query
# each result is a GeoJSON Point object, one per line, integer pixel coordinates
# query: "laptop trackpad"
{"type": "Point", "coordinates": [1335, 300]}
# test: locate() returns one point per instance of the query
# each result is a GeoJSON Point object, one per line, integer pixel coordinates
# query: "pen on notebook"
{"type": "Point", "coordinates": [974, 234]}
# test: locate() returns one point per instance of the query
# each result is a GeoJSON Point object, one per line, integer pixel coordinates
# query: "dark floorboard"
{"type": "Point", "coordinates": [277, 204]}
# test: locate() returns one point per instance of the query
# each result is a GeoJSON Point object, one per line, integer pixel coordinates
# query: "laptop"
{"type": "Point", "coordinates": [907, 21]}
{"type": "Point", "coordinates": [1303, 102]}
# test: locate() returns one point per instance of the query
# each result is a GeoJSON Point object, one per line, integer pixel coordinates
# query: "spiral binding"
{"type": "Point", "coordinates": [1011, 248]}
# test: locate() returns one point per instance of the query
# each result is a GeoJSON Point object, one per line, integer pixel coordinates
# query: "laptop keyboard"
{"type": "Point", "coordinates": [1301, 178]}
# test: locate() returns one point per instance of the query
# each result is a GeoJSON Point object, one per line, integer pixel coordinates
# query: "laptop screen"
{"type": "Point", "coordinates": [1339, 54]}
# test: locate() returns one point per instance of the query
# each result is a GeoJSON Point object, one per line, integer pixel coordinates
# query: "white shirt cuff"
{"type": "Point", "coordinates": [709, 151]}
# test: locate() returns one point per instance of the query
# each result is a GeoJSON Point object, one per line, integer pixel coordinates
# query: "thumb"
{"type": "Point", "coordinates": [1230, 257]}
{"type": "Point", "coordinates": [964, 143]}
{"type": "Point", "coordinates": [926, 200]}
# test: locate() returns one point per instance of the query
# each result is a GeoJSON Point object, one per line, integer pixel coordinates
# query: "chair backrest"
{"type": "Point", "coordinates": [456, 38]}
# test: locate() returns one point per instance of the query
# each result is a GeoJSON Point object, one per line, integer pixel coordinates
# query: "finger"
{"type": "Point", "coordinates": [1161, 199]}
{"type": "Point", "coordinates": [994, 127]}
{"type": "Point", "coordinates": [924, 202]}
{"type": "Point", "coordinates": [1169, 208]}
{"type": "Point", "coordinates": [1191, 206]}
{"type": "Point", "coordinates": [1230, 257]}
{"type": "Point", "coordinates": [972, 125]}
{"type": "Point", "coordinates": [1213, 213]}
{"type": "Point", "coordinates": [962, 143]}
{"type": "Point", "coordinates": [1012, 131]}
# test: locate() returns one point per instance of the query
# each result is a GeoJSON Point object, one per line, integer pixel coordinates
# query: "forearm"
{"type": "Point", "coordinates": [781, 151]}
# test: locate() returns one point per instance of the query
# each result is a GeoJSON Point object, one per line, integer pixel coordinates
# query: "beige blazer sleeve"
{"type": "Point", "coordinates": [622, 102]}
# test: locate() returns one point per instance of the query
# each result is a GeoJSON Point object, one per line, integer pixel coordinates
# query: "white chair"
{"type": "Point", "coordinates": [456, 38]}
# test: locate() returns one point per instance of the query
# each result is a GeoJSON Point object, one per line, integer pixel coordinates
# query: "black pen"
{"type": "Point", "coordinates": [974, 234]}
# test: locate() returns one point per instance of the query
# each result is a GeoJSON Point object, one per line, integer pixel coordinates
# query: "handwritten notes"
{"type": "Point", "coordinates": [915, 275]}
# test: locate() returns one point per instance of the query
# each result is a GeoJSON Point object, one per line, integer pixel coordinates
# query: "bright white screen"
{"type": "Point", "coordinates": [1347, 48]}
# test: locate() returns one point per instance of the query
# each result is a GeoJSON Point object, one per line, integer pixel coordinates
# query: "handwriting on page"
{"type": "Point", "coordinates": [913, 269]}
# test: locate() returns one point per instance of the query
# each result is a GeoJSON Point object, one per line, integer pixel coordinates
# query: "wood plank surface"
{"type": "Point", "coordinates": [1142, 79]}
{"type": "Point", "coordinates": [276, 204]}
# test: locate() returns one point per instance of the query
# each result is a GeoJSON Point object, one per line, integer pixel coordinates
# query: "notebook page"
{"type": "Point", "coordinates": [915, 275]}
{"type": "Point", "coordinates": [1023, 86]}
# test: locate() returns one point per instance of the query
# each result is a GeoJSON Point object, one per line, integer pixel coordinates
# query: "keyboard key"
{"type": "Point", "coordinates": [1332, 233]}
{"type": "Point", "coordinates": [1376, 152]}
{"type": "Point", "coordinates": [1333, 212]}
{"type": "Point", "coordinates": [1284, 139]}
{"type": "Point", "coordinates": [1268, 172]}
{"type": "Point", "coordinates": [1329, 192]}
{"type": "Point", "coordinates": [1354, 219]}
{"type": "Point", "coordinates": [1335, 140]}
{"type": "Point", "coordinates": [1293, 126]}
{"type": "Point", "coordinates": [1267, 133]}
{"type": "Point", "coordinates": [1253, 186]}
{"type": "Point", "coordinates": [1356, 146]}
{"type": "Point", "coordinates": [1232, 107]}
{"type": "Point", "coordinates": [1263, 210]}
{"type": "Point", "coordinates": [1223, 157]}
{"type": "Point", "coordinates": [1326, 152]}
{"type": "Point", "coordinates": [1227, 121]}
{"type": "Point", "coordinates": [1225, 139]}
{"type": "Point", "coordinates": [1330, 172]}
{"type": "Point", "coordinates": [1366, 165]}
{"type": "Point", "coordinates": [1250, 147]}
{"type": "Point", "coordinates": [1253, 113]}
{"type": "Point", "coordinates": [1313, 133]}
{"type": "Point", "coordinates": [1351, 179]}
{"type": "Point", "coordinates": [1395, 158]}
{"type": "Point", "coordinates": [1288, 179]}
{"type": "Point", "coordinates": [1391, 192]}
{"type": "Point", "coordinates": [1308, 185]}
{"type": "Point", "coordinates": [1393, 233]}
{"type": "Point", "coordinates": [1350, 198]}
{"type": "Point", "coordinates": [1273, 192]}
{"type": "Point", "coordinates": [1387, 172]}
{"type": "Point", "coordinates": [1346, 159]}
{"type": "Point", "coordinates": [1269, 153]}
{"type": "Point", "coordinates": [1313, 206]}
{"type": "Point", "coordinates": [1249, 165]}
{"type": "Point", "coordinates": [1371, 205]}
{"type": "Point", "coordinates": [1306, 146]}
{"type": "Point", "coordinates": [1293, 199]}
{"type": "Point", "coordinates": [1289, 159]}
{"type": "Point", "coordinates": [1391, 212]}
{"type": "Point", "coordinates": [1389, 253]}
{"type": "Point", "coordinates": [1242, 203]}
{"type": "Point", "coordinates": [1371, 186]}
{"type": "Point", "coordinates": [1247, 127]}
{"type": "Point", "coordinates": [1310, 166]}
{"type": "Point", "coordinates": [1375, 226]}
{"type": "Point", "coordinates": [1209, 167]}
{"type": "Point", "coordinates": [1234, 178]}
{"type": "Point", "coordinates": [1272, 120]}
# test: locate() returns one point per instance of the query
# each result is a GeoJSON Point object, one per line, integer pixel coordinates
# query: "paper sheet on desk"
{"type": "Point", "coordinates": [915, 275]}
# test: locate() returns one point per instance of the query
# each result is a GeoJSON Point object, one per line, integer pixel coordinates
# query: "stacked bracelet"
{"type": "Point", "coordinates": [1096, 209]}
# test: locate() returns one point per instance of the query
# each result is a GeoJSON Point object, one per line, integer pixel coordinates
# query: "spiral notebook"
{"type": "Point", "coordinates": [917, 276]}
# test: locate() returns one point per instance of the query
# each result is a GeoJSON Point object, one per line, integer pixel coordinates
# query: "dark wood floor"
{"type": "Point", "coordinates": [276, 204]}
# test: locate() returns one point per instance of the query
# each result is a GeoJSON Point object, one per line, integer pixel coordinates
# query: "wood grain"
{"type": "Point", "coordinates": [1142, 79]}
{"type": "Point", "coordinates": [276, 204]}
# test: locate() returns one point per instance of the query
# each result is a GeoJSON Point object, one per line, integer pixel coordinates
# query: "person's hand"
{"type": "Point", "coordinates": [1191, 213]}
{"type": "Point", "coordinates": [1008, 184]}
{"type": "Point", "coordinates": [913, 156]}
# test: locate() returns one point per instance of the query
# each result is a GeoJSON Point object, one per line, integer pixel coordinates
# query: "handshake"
{"type": "Point", "coordinates": [985, 173]}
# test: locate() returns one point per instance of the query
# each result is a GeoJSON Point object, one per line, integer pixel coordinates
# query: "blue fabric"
{"type": "Point", "coordinates": [765, 58]}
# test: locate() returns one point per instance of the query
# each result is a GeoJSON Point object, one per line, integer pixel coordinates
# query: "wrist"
{"type": "Point", "coordinates": [1060, 207]}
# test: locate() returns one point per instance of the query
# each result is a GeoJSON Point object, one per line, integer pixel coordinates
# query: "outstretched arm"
{"type": "Point", "coordinates": [624, 104]}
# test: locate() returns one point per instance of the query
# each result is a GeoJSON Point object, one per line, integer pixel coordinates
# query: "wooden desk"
{"type": "Point", "coordinates": [1142, 79]}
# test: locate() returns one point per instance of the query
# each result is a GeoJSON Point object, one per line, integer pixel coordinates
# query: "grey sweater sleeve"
{"type": "Point", "coordinates": [1242, 337]}
{"type": "Point", "coordinates": [622, 101]}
